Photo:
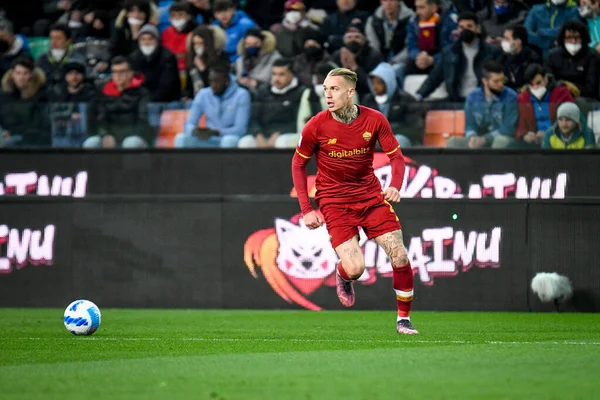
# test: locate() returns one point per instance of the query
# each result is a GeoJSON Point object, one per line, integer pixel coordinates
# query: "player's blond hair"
{"type": "Point", "coordinates": [349, 76]}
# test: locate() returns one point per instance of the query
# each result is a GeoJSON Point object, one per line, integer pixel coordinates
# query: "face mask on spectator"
{"type": "Point", "coordinates": [199, 51]}
{"type": "Point", "coordinates": [496, 92]}
{"type": "Point", "coordinates": [381, 99]}
{"type": "Point", "coordinates": [319, 90]}
{"type": "Point", "coordinates": [586, 11]}
{"type": "Point", "coordinates": [467, 36]}
{"type": "Point", "coordinates": [538, 92]}
{"type": "Point", "coordinates": [508, 47]}
{"type": "Point", "coordinates": [573, 48]}
{"type": "Point", "coordinates": [501, 10]}
{"type": "Point", "coordinates": [293, 17]}
{"type": "Point", "coordinates": [252, 51]}
{"type": "Point", "coordinates": [134, 21]}
{"type": "Point", "coordinates": [354, 47]}
{"type": "Point", "coordinates": [147, 50]}
{"type": "Point", "coordinates": [178, 23]}
{"type": "Point", "coordinates": [313, 52]}
{"type": "Point", "coordinates": [58, 54]}
{"type": "Point", "coordinates": [558, 2]}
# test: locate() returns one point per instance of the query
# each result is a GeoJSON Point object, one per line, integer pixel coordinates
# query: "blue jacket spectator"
{"type": "Point", "coordinates": [543, 21]}
{"type": "Point", "coordinates": [589, 10]}
{"type": "Point", "coordinates": [227, 109]}
{"type": "Point", "coordinates": [234, 23]}
{"type": "Point", "coordinates": [11, 46]}
{"type": "Point", "coordinates": [491, 112]}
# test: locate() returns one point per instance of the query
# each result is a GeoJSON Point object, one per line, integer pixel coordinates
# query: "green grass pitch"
{"type": "Point", "coordinates": [191, 354]}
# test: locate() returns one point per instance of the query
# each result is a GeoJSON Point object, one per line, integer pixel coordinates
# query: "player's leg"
{"type": "Point", "coordinates": [381, 223]}
{"type": "Point", "coordinates": [350, 267]}
{"type": "Point", "coordinates": [402, 277]}
{"type": "Point", "coordinates": [340, 221]}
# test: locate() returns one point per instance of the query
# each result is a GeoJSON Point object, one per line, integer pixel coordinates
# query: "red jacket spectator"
{"type": "Point", "coordinates": [176, 41]}
{"type": "Point", "coordinates": [527, 120]}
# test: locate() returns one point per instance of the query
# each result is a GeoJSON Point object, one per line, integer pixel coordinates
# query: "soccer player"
{"type": "Point", "coordinates": [349, 195]}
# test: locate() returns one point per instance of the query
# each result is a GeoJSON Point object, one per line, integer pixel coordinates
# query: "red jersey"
{"type": "Point", "coordinates": [344, 156]}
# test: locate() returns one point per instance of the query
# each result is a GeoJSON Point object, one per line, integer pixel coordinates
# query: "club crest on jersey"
{"type": "Point", "coordinates": [367, 136]}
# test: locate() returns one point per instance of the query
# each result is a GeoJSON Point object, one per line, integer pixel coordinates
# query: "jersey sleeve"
{"type": "Point", "coordinates": [308, 140]}
{"type": "Point", "coordinates": [307, 146]}
{"type": "Point", "coordinates": [391, 147]}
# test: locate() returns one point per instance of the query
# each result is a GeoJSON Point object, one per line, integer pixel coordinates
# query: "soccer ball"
{"type": "Point", "coordinates": [82, 317]}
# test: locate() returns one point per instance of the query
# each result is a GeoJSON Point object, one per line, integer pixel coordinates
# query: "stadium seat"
{"type": "Point", "coordinates": [593, 122]}
{"type": "Point", "coordinates": [412, 83]}
{"type": "Point", "coordinates": [38, 46]}
{"type": "Point", "coordinates": [440, 125]}
{"type": "Point", "coordinates": [171, 123]}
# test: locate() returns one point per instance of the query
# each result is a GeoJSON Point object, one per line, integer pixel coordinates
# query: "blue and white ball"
{"type": "Point", "coordinates": [82, 317]}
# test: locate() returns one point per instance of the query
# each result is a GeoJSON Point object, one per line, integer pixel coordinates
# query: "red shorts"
{"type": "Point", "coordinates": [376, 216]}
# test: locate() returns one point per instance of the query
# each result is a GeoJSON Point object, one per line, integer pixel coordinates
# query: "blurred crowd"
{"type": "Point", "coordinates": [249, 73]}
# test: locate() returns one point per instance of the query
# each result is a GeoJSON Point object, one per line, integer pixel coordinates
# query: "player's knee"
{"type": "Point", "coordinates": [354, 268]}
{"type": "Point", "coordinates": [400, 259]}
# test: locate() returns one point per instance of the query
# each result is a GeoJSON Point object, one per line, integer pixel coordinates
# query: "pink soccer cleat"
{"type": "Point", "coordinates": [405, 327]}
{"type": "Point", "coordinates": [345, 290]}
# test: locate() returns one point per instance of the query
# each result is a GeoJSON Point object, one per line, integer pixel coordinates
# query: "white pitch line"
{"type": "Point", "coordinates": [405, 341]}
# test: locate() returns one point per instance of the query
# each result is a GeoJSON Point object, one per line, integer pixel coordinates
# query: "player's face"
{"type": "Point", "coordinates": [337, 93]}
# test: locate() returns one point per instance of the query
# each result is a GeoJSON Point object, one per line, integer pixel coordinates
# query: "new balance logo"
{"type": "Point", "coordinates": [332, 141]}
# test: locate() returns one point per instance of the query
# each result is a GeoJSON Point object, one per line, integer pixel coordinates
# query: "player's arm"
{"type": "Point", "coordinates": [391, 147]}
{"type": "Point", "coordinates": [306, 148]}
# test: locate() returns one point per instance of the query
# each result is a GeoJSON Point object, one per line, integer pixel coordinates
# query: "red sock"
{"type": "Point", "coordinates": [343, 272]}
{"type": "Point", "coordinates": [403, 281]}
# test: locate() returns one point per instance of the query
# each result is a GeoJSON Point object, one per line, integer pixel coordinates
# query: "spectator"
{"type": "Point", "coordinates": [336, 24]}
{"type": "Point", "coordinates": [205, 47]}
{"type": "Point", "coordinates": [312, 54]}
{"type": "Point", "coordinates": [291, 32]}
{"type": "Point", "coordinates": [386, 29]}
{"type": "Point", "coordinates": [460, 64]}
{"type": "Point", "coordinates": [498, 15]}
{"type": "Point", "coordinates": [136, 14]}
{"type": "Point", "coordinates": [569, 132]}
{"type": "Point", "coordinates": [96, 25]}
{"type": "Point", "coordinates": [491, 112]}
{"type": "Point", "coordinates": [470, 5]}
{"type": "Point", "coordinates": [538, 105]}
{"type": "Point", "coordinates": [227, 109]}
{"type": "Point", "coordinates": [257, 55]}
{"type": "Point", "coordinates": [518, 55]}
{"type": "Point", "coordinates": [158, 66]}
{"type": "Point", "coordinates": [71, 105]}
{"type": "Point", "coordinates": [397, 106]}
{"type": "Point", "coordinates": [122, 111]}
{"type": "Point", "coordinates": [200, 11]}
{"type": "Point", "coordinates": [235, 23]}
{"type": "Point", "coordinates": [278, 105]}
{"type": "Point", "coordinates": [61, 51]}
{"type": "Point", "coordinates": [544, 21]}
{"type": "Point", "coordinates": [174, 38]}
{"type": "Point", "coordinates": [429, 31]}
{"type": "Point", "coordinates": [23, 112]}
{"type": "Point", "coordinates": [589, 10]}
{"type": "Point", "coordinates": [11, 46]}
{"type": "Point", "coordinates": [358, 55]}
{"type": "Point", "coordinates": [266, 13]}
{"type": "Point", "coordinates": [573, 61]}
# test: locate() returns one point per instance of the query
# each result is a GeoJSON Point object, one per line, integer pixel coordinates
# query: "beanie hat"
{"type": "Point", "coordinates": [75, 64]}
{"type": "Point", "coordinates": [568, 110]}
{"type": "Point", "coordinates": [356, 26]}
{"type": "Point", "coordinates": [150, 30]}
{"type": "Point", "coordinates": [297, 5]}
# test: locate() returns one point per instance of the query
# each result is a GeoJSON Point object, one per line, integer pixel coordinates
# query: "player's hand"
{"type": "Point", "coordinates": [392, 195]}
{"type": "Point", "coordinates": [312, 220]}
